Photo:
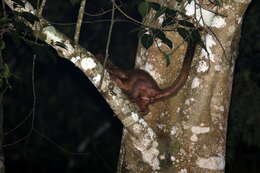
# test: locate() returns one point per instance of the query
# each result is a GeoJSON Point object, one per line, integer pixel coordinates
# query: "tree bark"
{"type": "Point", "coordinates": [191, 126]}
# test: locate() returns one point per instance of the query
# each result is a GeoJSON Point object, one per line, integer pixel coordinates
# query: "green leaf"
{"type": "Point", "coordinates": [169, 17]}
{"type": "Point", "coordinates": [168, 21]}
{"type": "Point", "coordinates": [159, 34]}
{"type": "Point", "coordinates": [143, 8]}
{"type": "Point", "coordinates": [195, 36]}
{"type": "Point", "coordinates": [159, 12]}
{"type": "Point", "coordinates": [171, 13]}
{"type": "Point", "coordinates": [167, 57]}
{"type": "Point", "coordinates": [186, 23]}
{"type": "Point", "coordinates": [147, 40]}
{"type": "Point", "coordinates": [183, 33]}
{"type": "Point", "coordinates": [168, 42]}
{"type": "Point", "coordinates": [19, 2]}
{"type": "Point", "coordinates": [218, 2]}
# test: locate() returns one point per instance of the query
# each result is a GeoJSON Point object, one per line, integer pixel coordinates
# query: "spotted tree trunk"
{"type": "Point", "coordinates": [190, 126]}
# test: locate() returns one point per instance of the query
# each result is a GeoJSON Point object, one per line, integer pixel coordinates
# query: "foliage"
{"type": "Point", "coordinates": [170, 17]}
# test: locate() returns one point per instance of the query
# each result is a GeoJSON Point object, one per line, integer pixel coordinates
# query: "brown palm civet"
{"type": "Point", "coordinates": [142, 89]}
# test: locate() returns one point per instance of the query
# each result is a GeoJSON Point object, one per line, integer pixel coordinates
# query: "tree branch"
{"type": "Point", "coordinates": [143, 136]}
{"type": "Point", "coordinates": [79, 21]}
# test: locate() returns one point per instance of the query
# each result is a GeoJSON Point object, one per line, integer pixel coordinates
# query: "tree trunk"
{"type": "Point", "coordinates": [190, 126]}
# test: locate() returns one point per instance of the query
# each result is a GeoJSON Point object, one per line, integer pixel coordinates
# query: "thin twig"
{"type": "Point", "coordinates": [34, 91]}
{"type": "Point", "coordinates": [212, 11]}
{"type": "Point", "coordinates": [57, 145]}
{"type": "Point", "coordinates": [48, 140]}
{"type": "Point", "coordinates": [204, 24]}
{"type": "Point", "coordinates": [34, 100]}
{"type": "Point", "coordinates": [138, 22]}
{"type": "Point", "coordinates": [27, 137]}
{"type": "Point", "coordinates": [102, 13]}
{"type": "Point", "coordinates": [79, 21]}
{"type": "Point", "coordinates": [17, 141]}
{"type": "Point", "coordinates": [108, 41]}
{"type": "Point", "coordinates": [19, 125]}
{"type": "Point", "coordinates": [95, 21]}
{"type": "Point", "coordinates": [221, 45]}
{"type": "Point", "coordinates": [127, 16]}
{"type": "Point", "coordinates": [214, 35]}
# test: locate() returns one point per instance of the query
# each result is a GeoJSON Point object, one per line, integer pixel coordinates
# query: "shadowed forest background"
{"type": "Point", "coordinates": [72, 117]}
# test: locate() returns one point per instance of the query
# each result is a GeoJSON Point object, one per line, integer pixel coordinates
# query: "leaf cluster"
{"type": "Point", "coordinates": [20, 33]}
{"type": "Point", "coordinates": [170, 17]}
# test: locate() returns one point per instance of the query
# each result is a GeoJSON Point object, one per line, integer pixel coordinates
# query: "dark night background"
{"type": "Point", "coordinates": [71, 116]}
